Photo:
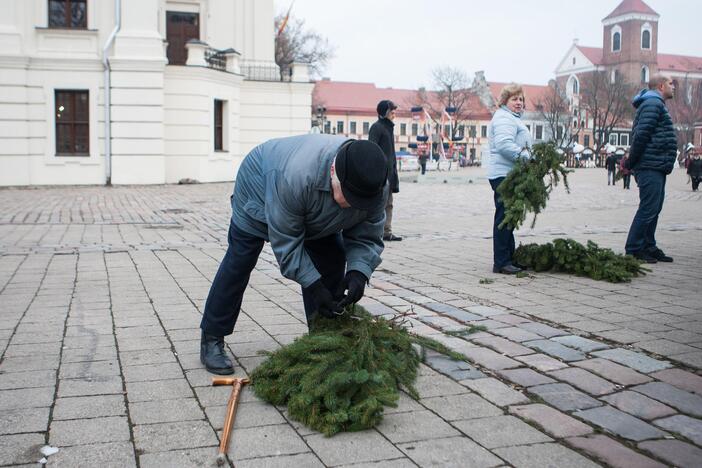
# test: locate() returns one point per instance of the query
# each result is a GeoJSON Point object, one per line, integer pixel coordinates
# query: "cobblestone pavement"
{"type": "Point", "coordinates": [101, 290]}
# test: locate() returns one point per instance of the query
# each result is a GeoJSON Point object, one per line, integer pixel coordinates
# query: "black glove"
{"type": "Point", "coordinates": [355, 282]}
{"type": "Point", "coordinates": [326, 305]}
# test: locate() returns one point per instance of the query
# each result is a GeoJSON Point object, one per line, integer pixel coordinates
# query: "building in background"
{"type": "Point", "coordinates": [630, 55]}
{"type": "Point", "coordinates": [192, 88]}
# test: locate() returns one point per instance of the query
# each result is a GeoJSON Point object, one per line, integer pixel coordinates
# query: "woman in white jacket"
{"type": "Point", "coordinates": [509, 140]}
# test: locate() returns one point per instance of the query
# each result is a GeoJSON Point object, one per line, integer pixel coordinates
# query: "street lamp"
{"type": "Point", "coordinates": [321, 117]}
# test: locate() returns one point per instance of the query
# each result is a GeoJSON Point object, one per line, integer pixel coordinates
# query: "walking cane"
{"type": "Point", "coordinates": [236, 383]}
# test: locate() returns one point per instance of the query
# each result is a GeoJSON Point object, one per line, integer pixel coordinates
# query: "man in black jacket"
{"type": "Point", "coordinates": [651, 157]}
{"type": "Point", "coordinates": [381, 133]}
{"type": "Point", "coordinates": [611, 164]}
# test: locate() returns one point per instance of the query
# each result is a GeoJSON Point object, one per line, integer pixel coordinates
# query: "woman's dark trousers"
{"type": "Point", "coordinates": [502, 239]}
{"type": "Point", "coordinates": [642, 234]}
{"type": "Point", "coordinates": [224, 300]}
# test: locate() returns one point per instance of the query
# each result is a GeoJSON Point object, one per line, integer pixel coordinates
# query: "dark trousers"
{"type": "Point", "coordinates": [502, 239]}
{"type": "Point", "coordinates": [627, 181]}
{"type": "Point", "coordinates": [227, 290]}
{"type": "Point", "coordinates": [695, 182]}
{"type": "Point", "coordinates": [642, 234]}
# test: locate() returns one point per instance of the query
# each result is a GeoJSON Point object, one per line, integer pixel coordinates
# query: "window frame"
{"type": "Point", "coordinates": [646, 28]}
{"type": "Point", "coordinates": [219, 106]}
{"type": "Point", "coordinates": [616, 31]}
{"type": "Point", "coordinates": [72, 123]}
{"type": "Point", "coordinates": [353, 128]}
{"type": "Point", "coordinates": [68, 15]}
{"type": "Point", "coordinates": [366, 128]}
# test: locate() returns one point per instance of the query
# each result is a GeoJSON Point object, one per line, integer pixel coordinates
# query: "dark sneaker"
{"type": "Point", "coordinates": [645, 257]}
{"type": "Point", "coordinates": [391, 237]}
{"type": "Point", "coordinates": [213, 355]}
{"type": "Point", "coordinates": [660, 256]}
{"type": "Point", "coordinates": [508, 269]}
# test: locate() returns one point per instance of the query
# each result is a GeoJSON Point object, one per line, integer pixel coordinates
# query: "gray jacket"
{"type": "Point", "coordinates": [283, 194]}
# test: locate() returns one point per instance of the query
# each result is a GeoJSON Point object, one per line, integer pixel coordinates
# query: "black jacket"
{"type": "Point", "coordinates": [695, 168]}
{"type": "Point", "coordinates": [653, 144]}
{"type": "Point", "coordinates": [381, 133]}
{"type": "Point", "coordinates": [611, 162]}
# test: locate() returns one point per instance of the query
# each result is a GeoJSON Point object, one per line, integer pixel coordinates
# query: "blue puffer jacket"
{"type": "Point", "coordinates": [508, 138]}
{"type": "Point", "coordinates": [653, 142]}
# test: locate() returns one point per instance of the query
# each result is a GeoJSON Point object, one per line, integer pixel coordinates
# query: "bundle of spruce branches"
{"type": "Point", "coordinates": [528, 185]}
{"type": "Point", "coordinates": [342, 375]}
{"type": "Point", "coordinates": [570, 256]}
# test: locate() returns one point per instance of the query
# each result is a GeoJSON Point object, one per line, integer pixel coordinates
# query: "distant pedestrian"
{"type": "Point", "coordinates": [611, 165]}
{"type": "Point", "coordinates": [381, 133]}
{"type": "Point", "coordinates": [694, 170]}
{"type": "Point", "coordinates": [626, 172]}
{"type": "Point", "coordinates": [509, 140]}
{"type": "Point", "coordinates": [652, 157]}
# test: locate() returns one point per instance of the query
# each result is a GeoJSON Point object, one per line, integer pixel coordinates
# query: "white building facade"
{"type": "Point", "coordinates": [192, 88]}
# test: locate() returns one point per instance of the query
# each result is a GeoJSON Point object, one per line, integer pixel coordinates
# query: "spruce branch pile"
{"type": "Point", "coordinates": [569, 256]}
{"type": "Point", "coordinates": [528, 185]}
{"type": "Point", "coordinates": [341, 375]}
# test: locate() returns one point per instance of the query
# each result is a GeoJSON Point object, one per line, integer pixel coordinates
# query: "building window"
{"type": "Point", "coordinates": [68, 14]}
{"type": "Point", "coordinates": [613, 139]}
{"type": "Point", "coordinates": [573, 60]}
{"type": "Point", "coordinates": [403, 129]}
{"type": "Point", "coordinates": [339, 127]}
{"type": "Point", "coordinates": [366, 126]}
{"type": "Point", "coordinates": [644, 74]}
{"type": "Point", "coordinates": [624, 139]}
{"type": "Point", "coordinates": [447, 130]}
{"type": "Point", "coordinates": [352, 128]}
{"type": "Point", "coordinates": [327, 127]}
{"type": "Point", "coordinates": [72, 123]}
{"type": "Point", "coordinates": [473, 131]}
{"type": "Point", "coordinates": [586, 140]}
{"type": "Point", "coordinates": [615, 75]}
{"type": "Point", "coordinates": [616, 41]}
{"type": "Point", "coordinates": [576, 139]}
{"type": "Point", "coordinates": [415, 128]}
{"type": "Point", "coordinates": [180, 28]}
{"type": "Point", "coordinates": [646, 36]}
{"type": "Point", "coordinates": [483, 131]}
{"type": "Point", "coordinates": [574, 85]}
{"type": "Point", "coordinates": [539, 132]}
{"type": "Point", "coordinates": [218, 125]}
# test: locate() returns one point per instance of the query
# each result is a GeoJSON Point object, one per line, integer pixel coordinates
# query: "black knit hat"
{"type": "Point", "coordinates": [384, 107]}
{"type": "Point", "coordinates": [363, 172]}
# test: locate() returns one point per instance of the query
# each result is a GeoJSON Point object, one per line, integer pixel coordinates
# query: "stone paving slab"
{"type": "Point", "coordinates": [619, 423]}
{"type": "Point", "coordinates": [637, 361]}
{"type": "Point", "coordinates": [611, 452]}
{"type": "Point", "coordinates": [616, 373]}
{"type": "Point", "coordinates": [543, 455]}
{"type": "Point", "coordinates": [501, 431]}
{"type": "Point", "coordinates": [552, 421]}
{"type": "Point", "coordinates": [584, 380]}
{"type": "Point", "coordinates": [690, 428]}
{"type": "Point", "coordinates": [455, 452]}
{"type": "Point", "coordinates": [638, 405]}
{"type": "Point", "coordinates": [564, 397]}
{"type": "Point", "coordinates": [679, 399]}
{"type": "Point", "coordinates": [675, 452]}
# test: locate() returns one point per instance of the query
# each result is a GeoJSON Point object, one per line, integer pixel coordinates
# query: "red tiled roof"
{"type": "Point", "coordinates": [362, 98]}
{"type": "Point", "coordinates": [532, 93]}
{"type": "Point", "coordinates": [683, 63]}
{"type": "Point", "coordinates": [593, 54]}
{"type": "Point", "coordinates": [668, 62]}
{"type": "Point", "coordinates": [631, 6]}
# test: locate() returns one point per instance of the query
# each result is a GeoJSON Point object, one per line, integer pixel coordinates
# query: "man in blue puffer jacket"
{"type": "Point", "coordinates": [651, 157]}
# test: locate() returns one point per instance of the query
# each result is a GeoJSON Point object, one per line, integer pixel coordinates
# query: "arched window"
{"type": "Point", "coordinates": [644, 74]}
{"type": "Point", "coordinates": [616, 42]}
{"type": "Point", "coordinates": [646, 36]}
{"type": "Point", "coordinates": [573, 85]}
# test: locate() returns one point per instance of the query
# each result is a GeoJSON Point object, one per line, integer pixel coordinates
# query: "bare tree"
{"type": "Point", "coordinates": [607, 102]}
{"type": "Point", "coordinates": [686, 109]}
{"type": "Point", "coordinates": [295, 43]}
{"type": "Point", "coordinates": [452, 90]}
{"type": "Point", "coordinates": [554, 109]}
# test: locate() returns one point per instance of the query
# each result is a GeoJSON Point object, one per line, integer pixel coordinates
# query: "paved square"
{"type": "Point", "coordinates": [101, 292]}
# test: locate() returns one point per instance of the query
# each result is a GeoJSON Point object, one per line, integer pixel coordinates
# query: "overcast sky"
{"type": "Point", "coordinates": [396, 43]}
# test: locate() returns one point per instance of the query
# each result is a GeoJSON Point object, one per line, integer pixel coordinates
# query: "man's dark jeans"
{"type": "Point", "coordinates": [227, 291]}
{"type": "Point", "coordinates": [502, 239]}
{"type": "Point", "coordinates": [642, 234]}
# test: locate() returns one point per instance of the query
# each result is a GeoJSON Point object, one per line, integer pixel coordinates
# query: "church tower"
{"type": "Point", "coordinates": [630, 42]}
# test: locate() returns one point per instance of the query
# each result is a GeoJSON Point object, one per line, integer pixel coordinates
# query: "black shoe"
{"type": "Point", "coordinates": [213, 356]}
{"type": "Point", "coordinates": [508, 269]}
{"type": "Point", "coordinates": [660, 256]}
{"type": "Point", "coordinates": [645, 257]}
{"type": "Point", "coordinates": [391, 237]}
